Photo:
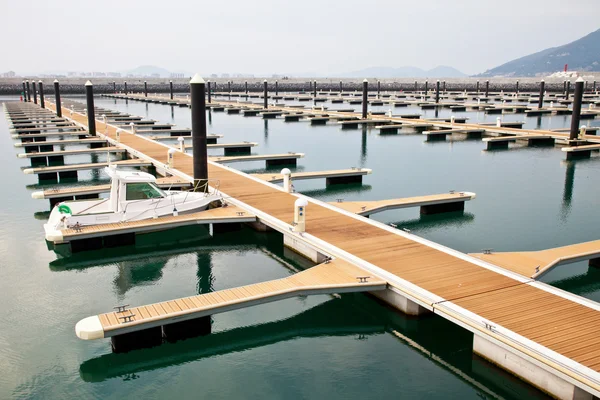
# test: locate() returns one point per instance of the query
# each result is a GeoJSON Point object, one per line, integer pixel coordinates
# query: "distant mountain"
{"type": "Point", "coordinates": [149, 70]}
{"type": "Point", "coordinates": [441, 71]}
{"type": "Point", "coordinates": [581, 55]}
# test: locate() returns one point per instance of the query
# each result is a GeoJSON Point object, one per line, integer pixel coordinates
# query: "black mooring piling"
{"type": "Point", "coordinates": [477, 87]}
{"type": "Point", "coordinates": [426, 89]}
{"type": "Point", "coordinates": [125, 87]}
{"type": "Point", "coordinates": [541, 100]}
{"type": "Point", "coordinates": [575, 117]}
{"type": "Point", "coordinates": [378, 88]}
{"type": "Point", "coordinates": [437, 91]}
{"type": "Point", "coordinates": [171, 90]}
{"type": "Point", "coordinates": [517, 87]}
{"type": "Point", "coordinates": [33, 89]}
{"type": "Point", "coordinates": [315, 89]}
{"type": "Point", "coordinates": [57, 98]}
{"type": "Point", "coordinates": [568, 90]}
{"type": "Point", "coordinates": [208, 90]}
{"type": "Point", "coordinates": [246, 86]}
{"type": "Point", "coordinates": [89, 94]}
{"type": "Point", "coordinates": [444, 86]}
{"type": "Point", "coordinates": [41, 88]}
{"type": "Point", "coordinates": [24, 92]}
{"type": "Point", "coordinates": [28, 91]}
{"type": "Point", "coordinates": [229, 86]}
{"type": "Point", "coordinates": [365, 98]}
{"type": "Point", "coordinates": [265, 94]}
{"type": "Point", "coordinates": [145, 89]}
{"type": "Point", "coordinates": [341, 87]}
{"type": "Point", "coordinates": [197, 94]}
{"type": "Point", "coordinates": [487, 88]}
{"type": "Point", "coordinates": [276, 88]}
{"type": "Point", "coordinates": [114, 87]}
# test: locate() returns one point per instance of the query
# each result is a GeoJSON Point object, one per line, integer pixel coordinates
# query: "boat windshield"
{"type": "Point", "coordinates": [142, 191]}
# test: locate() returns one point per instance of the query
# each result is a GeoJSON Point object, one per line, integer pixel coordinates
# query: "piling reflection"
{"type": "Point", "coordinates": [266, 130]}
{"type": "Point", "coordinates": [363, 147]}
{"type": "Point", "coordinates": [568, 190]}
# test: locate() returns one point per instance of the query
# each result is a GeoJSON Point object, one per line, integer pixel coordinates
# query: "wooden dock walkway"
{"type": "Point", "coordinates": [331, 174]}
{"type": "Point", "coordinates": [536, 263]}
{"type": "Point", "coordinates": [550, 330]}
{"type": "Point", "coordinates": [424, 202]}
{"type": "Point", "coordinates": [336, 276]}
{"type": "Point", "coordinates": [87, 166]}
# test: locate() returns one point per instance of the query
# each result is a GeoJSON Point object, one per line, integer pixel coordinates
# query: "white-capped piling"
{"type": "Point", "coordinates": [541, 99]}
{"type": "Point", "coordinates": [365, 98]}
{"type": "Point", "coordinates": [34, 92]}
{"type": "Point", "coordinates": [265, 94]}
{"type": "Point", "coordinates": [576, 115]}
{"type": "Point", "coordinates": [197, 90]}
{"type": "Point", "coordinates": [28, 91]}
{"type": "Point", "coordinates": [91, 114]}
{"type": "Point", "coordinates": [41, 88]}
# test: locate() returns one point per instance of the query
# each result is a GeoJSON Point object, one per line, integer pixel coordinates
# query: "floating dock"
{"type": "Point", "coordinates": [542, 334]}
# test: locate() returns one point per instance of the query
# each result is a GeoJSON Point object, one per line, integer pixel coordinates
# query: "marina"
{"type": "Point", "coordinates": [410, 288]}
{"type": "Point", "coordinates": [198, 218]}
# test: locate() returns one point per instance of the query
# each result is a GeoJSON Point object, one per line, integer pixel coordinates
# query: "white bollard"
{"type": "Point", "coordinates": [300, 215]}
{"type": "Point", "coordinates": [170, 154]}
{"type": "Point", "coordinates": [452, 119]}
{"type": "Point", "coordinates": [118, 134]}
{"type": "Point", "coordinates": [498, 122]}
{"type": "Point", "coordinates": [551, 104]}
{"type": "Point", "coordinates": [132, 127]}
{"type": "Point", "coordinates": [582, 131]}
{"type": "Point", "coordinates": [181, 141]}
{"type": "Point", "coordinates": [287, 181]}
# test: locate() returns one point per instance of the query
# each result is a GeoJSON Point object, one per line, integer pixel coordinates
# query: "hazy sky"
{"type": "Point", "coordinates": [278, 36]}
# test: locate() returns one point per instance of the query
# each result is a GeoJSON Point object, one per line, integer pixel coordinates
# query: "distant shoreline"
{"type": "Point", "coordinates": [13, 86]}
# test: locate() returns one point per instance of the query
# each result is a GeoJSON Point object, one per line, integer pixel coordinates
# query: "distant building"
{"type": "Point", "coordinates": [155, 76]}
{"type": "Point", "coordinates": [177, 75]}
{"type": "Point", "coordinates": [98, 74]}
{"type": "Point", "coordinates": [224, 75]}
{"type": "Point", "coordinates": [9, 74]}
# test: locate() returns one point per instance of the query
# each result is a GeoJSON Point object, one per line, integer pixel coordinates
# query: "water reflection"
{"type": "Point", "coordinates": [363, 147]}
{"type": "Point", "coordinates": [335, 317]}
{"type": "Point", "coordinates": [436, 221]}
{"type": "Point", "coordinates": [266, 130]}
{"type": "Point", "coordinates": [568, 190]}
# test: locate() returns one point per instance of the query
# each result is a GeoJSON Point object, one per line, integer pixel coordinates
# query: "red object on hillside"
{"type": "Point", "coordinates": [566, 66]}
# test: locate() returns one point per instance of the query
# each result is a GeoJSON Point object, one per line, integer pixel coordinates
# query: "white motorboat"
{"type": "Point", "coordinates": [133, 196]}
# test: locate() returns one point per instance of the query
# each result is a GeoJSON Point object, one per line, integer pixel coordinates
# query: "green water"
{"type": "Point", "coordinates": [346, 346]}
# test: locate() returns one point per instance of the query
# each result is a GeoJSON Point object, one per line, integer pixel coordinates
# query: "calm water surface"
{"type": "Point", "coordinates": [316, 347]}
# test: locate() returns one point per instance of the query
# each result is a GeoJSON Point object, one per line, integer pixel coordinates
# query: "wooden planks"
{"type": "Point", "coordinates": [336, 275]}
{"type": "Point", "coordinates": [371, 207]}
{"type": "Point", "coordinates": [535, 263]}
